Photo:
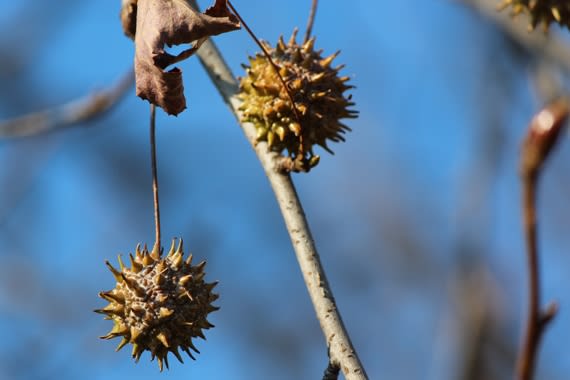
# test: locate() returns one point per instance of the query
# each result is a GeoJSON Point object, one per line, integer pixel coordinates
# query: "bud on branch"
{"type": "Point", "coordinates": [543, 132]}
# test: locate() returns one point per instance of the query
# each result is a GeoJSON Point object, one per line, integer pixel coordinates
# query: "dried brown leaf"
{"type": "Point", "coordinates": [169, 22]}
{"type": "Point", "coordinates": [129, 17]}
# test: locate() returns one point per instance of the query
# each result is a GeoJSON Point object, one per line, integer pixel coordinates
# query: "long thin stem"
{"type": "Point", "coordinates": [154, 176]}
{"type": "Point", "coordinates": [341, 350]}
{"type": "Point", "coordinates": [311, 20]}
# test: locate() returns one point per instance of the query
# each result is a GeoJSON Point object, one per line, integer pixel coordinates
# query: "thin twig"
{"type": "Point", "coordinates": [311, 20]}
{"type": "Point", "coordinates": [527, 354]}
{"type": "Point", "coordinates": [342, 352]}
{"type": "Point", "coordinates": [69, 114]}
{"type": "Point", "coordinates": [541, 137]}
{"type": "Point", "coordinates": [157, 244]}
{"type": "Point", "coordinates": [537, 319]}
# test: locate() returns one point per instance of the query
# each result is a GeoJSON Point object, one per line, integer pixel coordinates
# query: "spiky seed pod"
{"type": "Point", "coordinates": [318, 93]}
{"type": "Point", "coordinates": [542, 12]}
{"type": "Point", "coordinates": [159, 304]}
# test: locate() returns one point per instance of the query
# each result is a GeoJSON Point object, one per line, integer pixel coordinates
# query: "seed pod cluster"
{"type": "Point", "coordinates": [159, 304]}
{"type": "Point", "coordinates": [316, 89]}
{"type": "Point", "coordinates": [542, 12]}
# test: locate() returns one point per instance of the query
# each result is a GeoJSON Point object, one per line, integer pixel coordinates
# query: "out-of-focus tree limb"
{"type": "Point", "coordinates": [69, 114]}
{"type": "Point", "coordinates": [548, 46]}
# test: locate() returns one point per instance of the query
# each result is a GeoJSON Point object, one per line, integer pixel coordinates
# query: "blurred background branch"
{"type": "Point", "coordinates": [78, 111]}
{"type": "Point", "coordinates": [548, 46]}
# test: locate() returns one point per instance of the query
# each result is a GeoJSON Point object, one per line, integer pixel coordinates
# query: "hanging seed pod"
{"type": "Point", "coordinates": [318, 94]}
{"type": "Point", "coordinates": [542, 12]}
{"type": "Point", "coordinates": [159, 304]}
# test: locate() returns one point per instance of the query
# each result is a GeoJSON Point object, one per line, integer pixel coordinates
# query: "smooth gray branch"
{"type": "Point", "coordinates": [341, 351]}
{"type": "Point", "coordinates": [69, 114]}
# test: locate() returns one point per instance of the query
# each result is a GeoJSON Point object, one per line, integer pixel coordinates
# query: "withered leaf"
{"type": "Point", "coordinates": [129, 17]}
{"type": "Point", "coordinates": [169, 22]}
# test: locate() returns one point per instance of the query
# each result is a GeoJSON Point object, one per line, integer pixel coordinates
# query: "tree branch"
{"type": "Point", "coordinates": [341, 350]}
{"type": "Point", "coordinates": [536, 319]}
{"type": "Point", "coordinates": [543, 133]}
{"type": "Point", "coordinates": [69, 114]}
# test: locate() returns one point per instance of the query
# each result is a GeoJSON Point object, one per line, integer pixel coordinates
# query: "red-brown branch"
{"type": "Point", "coordinates": [542, 135]}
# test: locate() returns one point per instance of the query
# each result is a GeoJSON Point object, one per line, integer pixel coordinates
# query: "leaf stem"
{"type": "Point", "coordinates": [157, 244]}
{"type": "Point", "coordinates": [311, 20]}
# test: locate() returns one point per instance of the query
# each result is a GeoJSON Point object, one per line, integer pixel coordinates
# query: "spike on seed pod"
{"type": "Point", "coordinates": [193, 348]}
{"type": "Point", "coordinates": [165, 313]}
{"type": "Point", "coordinates": [137, 352]}
{"type": "Point", "coordinates": [177, 354]}
{"type": "Point", "coordinates": [177, 260]}
{"type": "Point", "coordinates": [199, 276]}
{"type": "Point", "coordinates": [309, 45]}
{"type": "Point", "coordinates": [293, 38]}
{"type": "Point", "coordinates": [162, 338]}
{"type": "Point", "coordinates": [123, 343]}
{"type": "Point", "coordinates": [318, 93]}
{"type": "Point", "coordinates": [135, 265]}
{"type": "Point", "coordinates": [120, 260]}
{"type": "Point", "coordinates": [189, 353]}
{"type": "Point", "coordinates": [145, 305]}
{"type": "Point", "coordinates": [160, 365]}
{"type": "Point", "coordinates": [116, 273]}
{"type": "Point", "coordinates": [160, 266]}
{"type": "Point", "coordinates": [543, 12]}
{"type": "Point", "coordinates": [135, 333]}
{"type": "Point", "coordinates": [200, 335]}
{"type": "Point", "coordinates": [147, 259]}
{"type": "Point", "coordinates": [113, 296]}
{"type": "Point", "coordinates": [159, 278]}
{"type": "Point", "coordinates": [156, 252]}
{"type": "Point", "coordinates": [185, 279]}
{"type": "Point", "coordinates": [172, 247]}
{"type": "Point", "coordinates": [185, 293]}
{"type": "Point", "coordinates": [326, 62]}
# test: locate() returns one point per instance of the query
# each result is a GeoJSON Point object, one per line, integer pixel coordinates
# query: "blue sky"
{"type": "Point", "coordinates": [388, 210]}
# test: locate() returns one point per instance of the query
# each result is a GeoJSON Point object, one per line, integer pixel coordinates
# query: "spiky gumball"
{"type": "Point", "coordinates": [544, 12]}
{"type": "Point", "coordinates": [159, 304]}
{"type": "Point", "coordinates": [317, 91]}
